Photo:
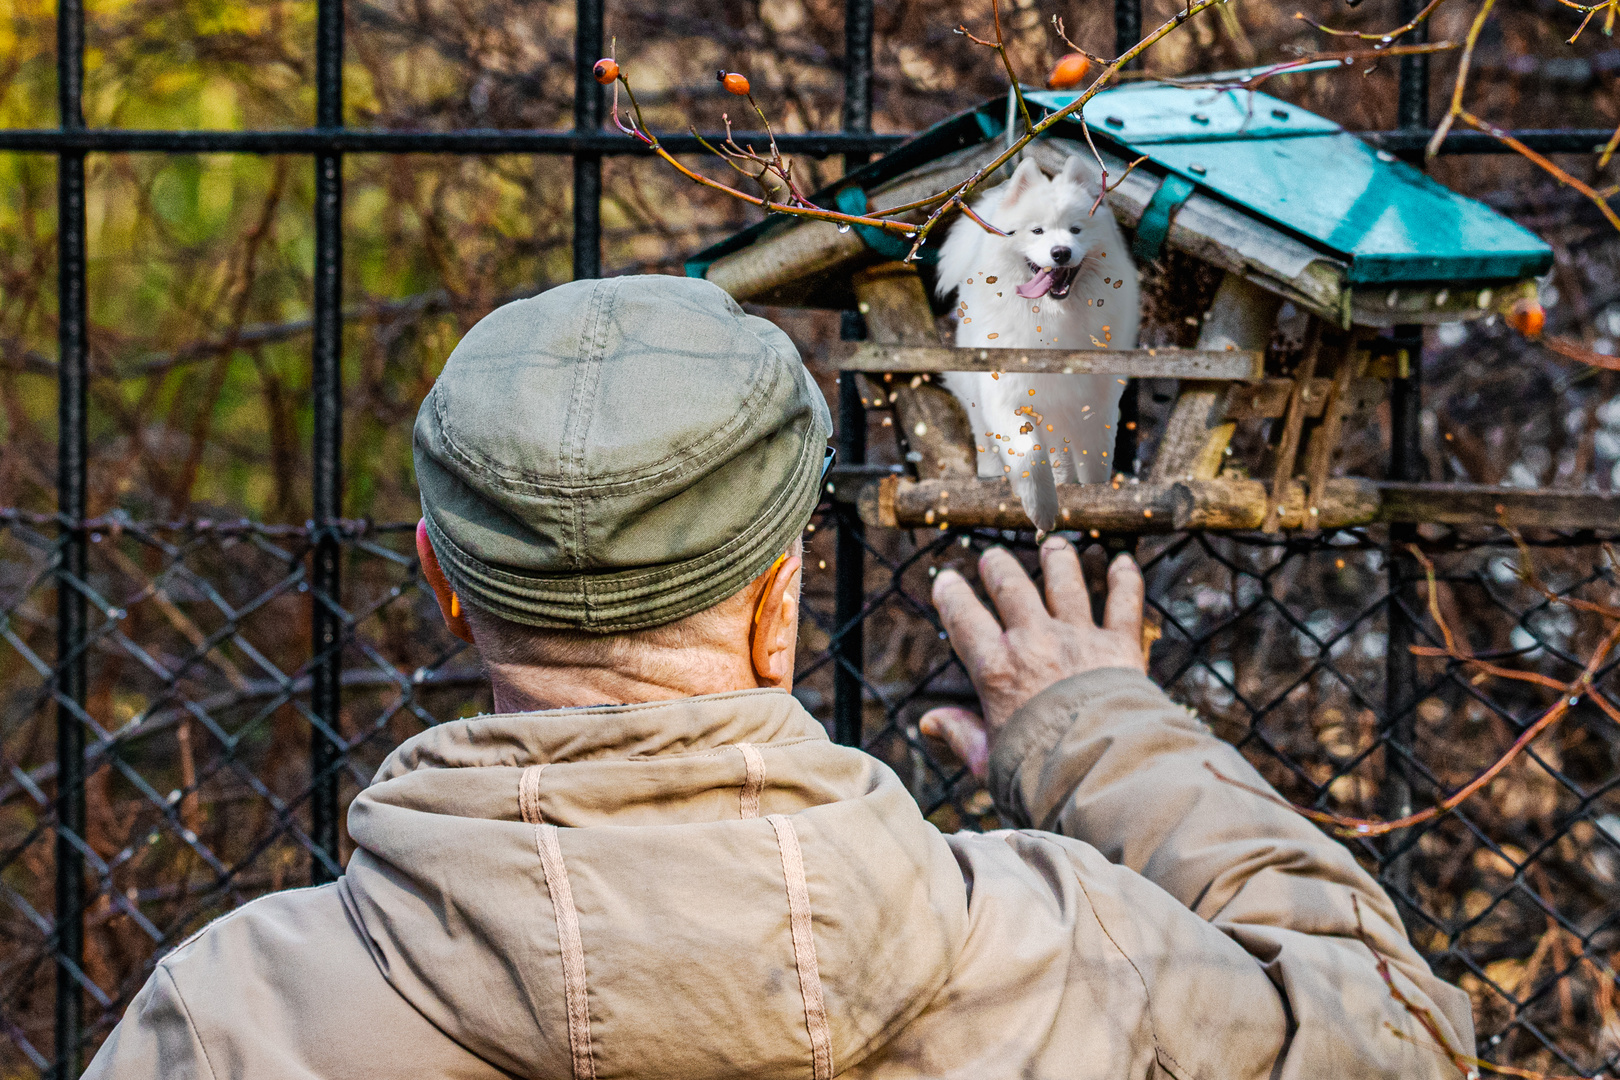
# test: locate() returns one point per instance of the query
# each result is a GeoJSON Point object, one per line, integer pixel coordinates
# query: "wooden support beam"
{"type": "Point", "coordinates": [1194, 443]}
{"type": "Point", "coordinates": [1520, 508]}
{"type": "Point", "coordinates": [1172, 507]}
{"type": "Point", "coordinates": [930, 420]}
{"type": "Point", "coordinates": [1282, 468]}
{"type": "Point", "coordinates": [1268, 399]}
{"type": "Point", "coordinates": [1325, 439]}
{"type": "Point", "coordinates": [1224, 364]}
{"type": "Point", "coordinates": [1227, 505]}
{"type": "Point", "coordinates": [772, 268]}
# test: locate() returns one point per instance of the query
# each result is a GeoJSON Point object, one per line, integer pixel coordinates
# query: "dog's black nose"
{"type": "Point", "coordinates": [1061, 255]}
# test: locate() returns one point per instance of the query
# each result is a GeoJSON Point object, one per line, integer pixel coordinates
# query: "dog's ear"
{"type": "Point", "coordinates": [1076, 172]}
{"type": "Point", "coordinates": [1026, 176]}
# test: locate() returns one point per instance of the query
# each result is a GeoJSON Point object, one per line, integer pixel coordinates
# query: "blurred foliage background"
{"type": "Point", "coordinates": [200, 286]}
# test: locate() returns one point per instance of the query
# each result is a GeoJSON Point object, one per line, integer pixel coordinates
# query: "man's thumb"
{"type": "Point", "coordinates": [963, 731]}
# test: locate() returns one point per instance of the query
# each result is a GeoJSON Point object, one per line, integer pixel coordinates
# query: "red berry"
{"type": "Point", "coordinates": [1528, 317]}
{"type": "Point", "coordinates": [737, 84]}
{"type": "Point", "coordinates": [1068, 72]}
{"type": "Point", "coordinates": [606, 70]}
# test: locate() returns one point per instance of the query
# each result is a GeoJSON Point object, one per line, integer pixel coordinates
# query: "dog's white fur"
{"type": "Point", "coordinates": [1011, 414]}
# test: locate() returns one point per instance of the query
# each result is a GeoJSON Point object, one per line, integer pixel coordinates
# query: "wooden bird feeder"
{"type": "Point", "coordinates": [1284, 207]}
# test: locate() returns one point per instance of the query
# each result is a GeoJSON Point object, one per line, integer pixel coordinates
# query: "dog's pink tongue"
{"type": "Point", "coordinates": [1036, 287]}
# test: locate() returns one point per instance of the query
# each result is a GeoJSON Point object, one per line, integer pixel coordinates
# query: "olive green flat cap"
{"type": "Point", "coordinates": [616, 454]}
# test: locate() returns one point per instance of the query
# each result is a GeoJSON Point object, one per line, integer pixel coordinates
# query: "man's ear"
{"type": "Point", "coordinates": [449, 603]}
{"type": "Point", "coordinates": [775, 633]}
{"type": "Point", "coordinates": [1026, 176]}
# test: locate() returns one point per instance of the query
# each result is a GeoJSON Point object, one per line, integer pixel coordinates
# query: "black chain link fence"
{"type": "Point", "coordinates": [198, 727]}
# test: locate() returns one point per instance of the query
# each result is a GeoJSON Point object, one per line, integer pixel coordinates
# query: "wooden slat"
{"type": "Point", "coordinates": [1282, 468]}
{"type": "Point", "coordinates": [1521, 508]}
{"type": "Point", "coordinates": [932, 422]}
{"type": "Point", "coordinates": [1227, 365]}
{"type": "Point", "coordinates": [1196, 436]}
{"type": "Point", "coordinates": [1268, 399]}
{"type": "Point", "coordinates": [1229, 505]}
{"type": "Point", "coordinates": [1141, 508]}
{"type": "Point", "coordinates": [1324, 442]}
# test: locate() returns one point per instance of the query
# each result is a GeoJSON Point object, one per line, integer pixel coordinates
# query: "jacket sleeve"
{"type": "Point", "coordinates": [154, 1039]}
{"type": "Point", "coordinates": [1106, 758]}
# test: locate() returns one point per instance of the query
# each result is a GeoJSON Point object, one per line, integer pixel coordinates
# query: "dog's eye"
{"type": "Point", "coordinates": [1037, 230]}
{"type": "Point", "coordinates": [1075, 229]}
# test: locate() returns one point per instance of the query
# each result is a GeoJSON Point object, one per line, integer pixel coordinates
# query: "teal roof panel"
{"type": "Point", "coordinates": [1389, 221]}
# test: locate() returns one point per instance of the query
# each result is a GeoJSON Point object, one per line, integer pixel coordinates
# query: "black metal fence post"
{"type": "Point", "coordinates": [849, 565]}
{"type": "Point", "coordinates": [1127, 32]}
{"type": "Point", "coordinates": [1127, 28]}
{"type": "Point", "coordinates": [1405, 463]}
{"type": "Point", "coordinates": [72, 613]}
{"type": "Point", "coordinates": [587, 118]}
{"type": "Point", "coordinates": [849, 568]}
{"type": "Point", "coordinates": [326, 382]}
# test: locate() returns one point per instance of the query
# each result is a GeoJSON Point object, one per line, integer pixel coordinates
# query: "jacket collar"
{"type": "Point", "coordinates": [651, 729]}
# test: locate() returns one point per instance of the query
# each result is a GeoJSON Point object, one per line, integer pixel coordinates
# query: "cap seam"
{"type": "Point", "coordinates": [705, 449]}
{"type": "Point", "coordinates": [773, 511]}
{"type": "Point", "coordinates": [585, 381]}
{"type": "Point", "coordinates": [661, 471]}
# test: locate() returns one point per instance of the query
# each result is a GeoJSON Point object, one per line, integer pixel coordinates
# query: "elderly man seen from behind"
{"type": "Point", "coordinates": [650, 862]}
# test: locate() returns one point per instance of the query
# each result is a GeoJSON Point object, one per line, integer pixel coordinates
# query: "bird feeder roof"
{"type": "Point", "coordinates": [1389, 222]}
{"type": "Point", "coordinates": [1236, 177]}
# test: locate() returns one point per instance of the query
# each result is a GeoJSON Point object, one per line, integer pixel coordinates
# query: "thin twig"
{"type": "Point", "coordinates": [1573, 350]}
{"type": "Point", "coordinates": [637, 129]}
{"type": "Point", "coordinates": [960, 192]}
{"type": "Point", "coordinates": [1597, 197]}
{"type": "Point", "coordinates": [1057, 27]}
{"type": "Point", "coordinates": [1000, 46]}
{"type": "Point", "coordinates": [1569, 694]}
{"type": "Point", "coordinates": [1461, 82]}
{"type": "Point", "coordinates": [1384, 38]}
{"type": "Point", "coordinates": [1255, 79]}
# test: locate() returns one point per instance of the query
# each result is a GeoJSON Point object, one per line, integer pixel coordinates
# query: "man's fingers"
{"type": "Point", "coordinates": [963, 731]}
{"type": "Point", "coordinates": [1066, 595]}
{"type": "Point", "coordinates": [1123, 612]}
{"type": "Point", "coordinates": [1009, 588]}
{"type": "Point", "coordinates": [972, 629]}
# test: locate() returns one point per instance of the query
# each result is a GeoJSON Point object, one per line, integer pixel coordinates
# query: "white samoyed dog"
{"type": "Point", "coordinates": [1062, 278]}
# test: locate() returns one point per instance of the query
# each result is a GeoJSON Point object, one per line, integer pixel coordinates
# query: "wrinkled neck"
{"type": "Point", "coordinates": [653, 675]}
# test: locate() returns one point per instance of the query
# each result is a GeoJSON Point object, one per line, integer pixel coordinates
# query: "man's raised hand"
{"type": "Point", "coordinates": [1034, 644]}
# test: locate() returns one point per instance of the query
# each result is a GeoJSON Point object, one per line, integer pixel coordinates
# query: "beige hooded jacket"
{"type": "Point", "coordinates": [710, 888]}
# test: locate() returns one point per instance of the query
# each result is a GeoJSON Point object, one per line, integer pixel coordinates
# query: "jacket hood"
{"type": "Point", "coordinates": [682, 895]}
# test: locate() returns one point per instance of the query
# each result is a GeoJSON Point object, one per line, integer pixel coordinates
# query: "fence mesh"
{"type": "Point", "coordinates": [199, 731]}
